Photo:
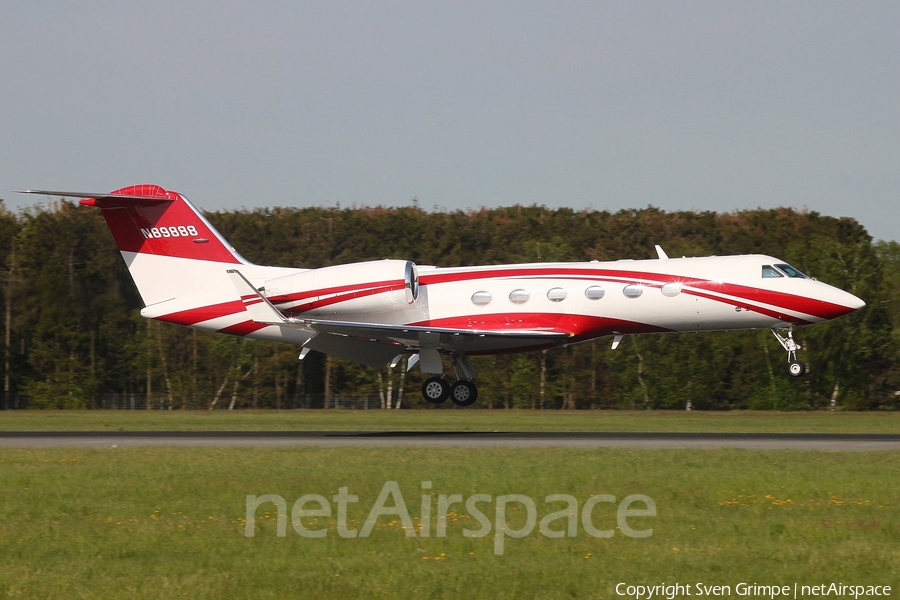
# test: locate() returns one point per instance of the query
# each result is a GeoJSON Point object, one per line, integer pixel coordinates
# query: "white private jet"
{"type": "Point", "coordinates": [375, 312]}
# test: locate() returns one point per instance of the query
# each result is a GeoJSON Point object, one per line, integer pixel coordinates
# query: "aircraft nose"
{"type": "Point", "coordinates": [838, 303]}
{"type": "Point", "coordinates": [854, 302]}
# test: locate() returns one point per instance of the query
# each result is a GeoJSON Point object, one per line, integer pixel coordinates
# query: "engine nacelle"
{"type": "Point", "coordinates": [354, 289]}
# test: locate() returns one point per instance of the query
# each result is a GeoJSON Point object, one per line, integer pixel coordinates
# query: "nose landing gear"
{"type": "Point", "coordinates": [795, 367]}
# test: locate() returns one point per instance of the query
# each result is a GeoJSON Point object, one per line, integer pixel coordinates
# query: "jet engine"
{"type": "Point", "coordinates": [353, 289]}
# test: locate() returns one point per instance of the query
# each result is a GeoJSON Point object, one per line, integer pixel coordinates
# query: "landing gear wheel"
{"type": "Point", "coordinates": [463, 393]}
{"type": "Point", "coordinates": [797, 369]}
{"type": "Point", "coordinates": [435, 390]}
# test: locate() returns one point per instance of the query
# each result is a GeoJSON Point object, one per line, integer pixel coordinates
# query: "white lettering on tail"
{"type": "Point", "coordinates": [165, 232]}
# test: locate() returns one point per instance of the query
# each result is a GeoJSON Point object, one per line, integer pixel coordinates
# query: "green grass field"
{"type": "Point", "coordinates": [169, 522]}
{"type": "Point", "coordinates": [451, 420]}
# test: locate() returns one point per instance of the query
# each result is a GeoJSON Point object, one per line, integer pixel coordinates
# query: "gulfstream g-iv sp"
{"type": "Point", "coordinates": [376, 312]}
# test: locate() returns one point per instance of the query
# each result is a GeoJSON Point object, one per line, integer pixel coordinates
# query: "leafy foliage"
{"type": "Point", "coordinates": [76, 336]}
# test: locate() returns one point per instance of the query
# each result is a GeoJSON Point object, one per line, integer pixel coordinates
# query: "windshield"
{"type": "Point", "coordinates": [791, 271]}
{"type": "Point", "coordinates": [768, 271]}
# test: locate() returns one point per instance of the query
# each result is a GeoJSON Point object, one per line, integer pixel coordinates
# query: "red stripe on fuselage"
{"type": "Point", "coordinates": [741, 296]}
{"type": "Point", "coordinates": [302, 308]}
{"type": "Point", "coordinates": [792, 302]}
{"type": "Point", "coordinates": [243, 328]}
{"type": "Point", "coordinates": [192, 316]}
{"type": "Point", "coordinates": [580, 327]}
{"type": "Point", "coordinates": [389, 285]}
{"type": "Point", "coordinates": [761, 310]}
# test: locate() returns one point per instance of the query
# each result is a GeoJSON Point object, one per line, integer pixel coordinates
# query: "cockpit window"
{"type": "Point", "coordinates": [791, 271]}
{"type": "Point", "coordinates": [768, 271]}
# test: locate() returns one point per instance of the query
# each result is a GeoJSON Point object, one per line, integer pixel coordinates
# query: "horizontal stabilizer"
{"type": "Point", "coordinates": [139, 194]}
{"type": "Point", "coordinates": [258, 306]}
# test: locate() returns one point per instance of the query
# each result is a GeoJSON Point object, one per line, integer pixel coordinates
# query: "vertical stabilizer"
{"type": "Point", "coordinates": [146, 219]}
{"type": "Point", "coordinates": [176, 257]}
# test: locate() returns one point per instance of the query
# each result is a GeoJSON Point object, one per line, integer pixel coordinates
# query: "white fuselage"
{"type": "Point", "coordinates": [583, 300]}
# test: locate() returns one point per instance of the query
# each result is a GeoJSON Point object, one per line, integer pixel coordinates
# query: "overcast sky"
{"type": "Point", "coordinates": [682, 105]}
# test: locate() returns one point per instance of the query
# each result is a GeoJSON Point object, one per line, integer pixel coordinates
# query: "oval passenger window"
{"type": "Point", "coordinates": [595, 292]}
{"type": "Point", "coordinates": [557, 294]}
{"type": "Point", "coordinates": [633, 291]}
{"type": "Point", "coordinates": [671, 289]}
{"type": "Point", "coordinates": [481, 298]}
{"type": "Point", "coordinates": [519, 296]}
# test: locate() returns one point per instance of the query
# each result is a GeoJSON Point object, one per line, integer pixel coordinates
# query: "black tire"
{"type": "Point", "coordinates": [796, 369]}
{"type": "Point", "coordinates": [435, 390]}
{"type": "Point", "coordinates": [463, 393]}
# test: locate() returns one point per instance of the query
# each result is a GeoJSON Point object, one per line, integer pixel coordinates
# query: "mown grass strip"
{"type": "Point", "coordinates": [452, 420]}
{"type": "Point", "coordinates": [169, 522]}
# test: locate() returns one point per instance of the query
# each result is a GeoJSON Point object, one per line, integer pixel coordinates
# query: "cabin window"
{"type": "Point", "coordinates": [595, 292]}
{"type": "Point", "coordinates": [791, 271]}
{"type": "Point", "coordinates": [557, 295]}
{"type": "Point", "coordinates": [519, 296]}
{"type": "Point", "coordinates": [633, 291]}
{"type": "Point", "coordinates": [481, 298]}
{"type": "Point", "coordinates": [671, 289]}
{"type": "Point", "coordinates": [770, 272]}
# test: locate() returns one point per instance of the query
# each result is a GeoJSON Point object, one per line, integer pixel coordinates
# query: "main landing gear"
{"type": "Point", "coordinates": [436, 390]}
{"type": "Point", "coordinates": [795, 367]}
{"type": "Point", "coordinates": [463, 392]}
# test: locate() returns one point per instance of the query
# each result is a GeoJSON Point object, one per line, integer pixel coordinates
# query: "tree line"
{"type": "Point", "coordinates": [74, 337]}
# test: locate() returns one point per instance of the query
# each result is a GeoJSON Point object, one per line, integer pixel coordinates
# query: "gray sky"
{"type": "Point", "coordinates": [681, 105]}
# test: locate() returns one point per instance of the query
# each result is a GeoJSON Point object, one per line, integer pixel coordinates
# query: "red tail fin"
{"type": "Point", "coordinates": [147, 219]}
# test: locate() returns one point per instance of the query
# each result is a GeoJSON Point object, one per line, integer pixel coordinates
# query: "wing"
{"type": "Point", "coordinates": [466, 341]}
{"type": "Point", "coordinates": [375, 343]}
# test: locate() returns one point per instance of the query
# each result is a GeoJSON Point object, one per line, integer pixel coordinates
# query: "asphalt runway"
{"type": "Point", "coordinates": [755, 441]}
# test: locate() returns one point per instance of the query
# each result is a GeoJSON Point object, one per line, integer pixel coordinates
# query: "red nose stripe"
{"type": "Point", "coordinates": [792, 302]}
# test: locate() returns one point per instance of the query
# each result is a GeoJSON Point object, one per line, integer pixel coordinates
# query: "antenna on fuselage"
{"type": "Point", "coordinates": [661, 253]}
